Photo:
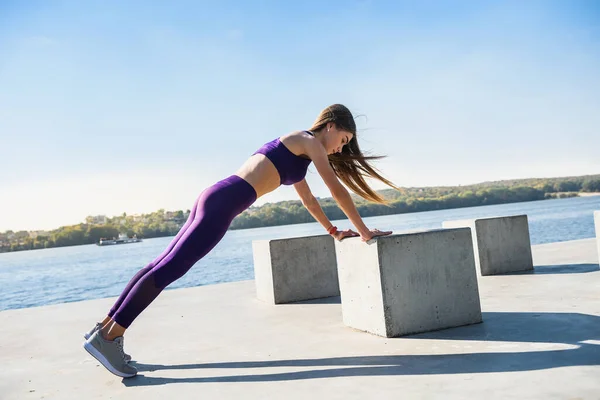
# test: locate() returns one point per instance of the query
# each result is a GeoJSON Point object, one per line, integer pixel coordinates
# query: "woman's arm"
{"type": "Point", "coordinates": [312, 205]}
{"type": "Point", "coordinates": [318, 155]}
{"type": "Point", "coordinates": [314, 208]}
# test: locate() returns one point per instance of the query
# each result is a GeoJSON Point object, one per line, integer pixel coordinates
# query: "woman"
{"type": "Point", "coordinates": [330, 144]}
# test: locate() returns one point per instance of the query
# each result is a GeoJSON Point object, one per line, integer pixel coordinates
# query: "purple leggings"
{"type": "Point", "coordinates": [209, 219]}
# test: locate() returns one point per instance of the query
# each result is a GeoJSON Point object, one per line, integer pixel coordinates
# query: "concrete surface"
{"type": "Point", "coordinates": [501, 244]}
{"type": "Point", "coordinates": [540, 339]}
{"type": "Point", "coordinates": [295, 269]}
{"type": "Point", "coordinates": [409, 283]}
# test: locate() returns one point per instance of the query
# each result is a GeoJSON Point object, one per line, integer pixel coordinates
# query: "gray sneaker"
{"type": "Point", "coordinates": [110, 354]}
{"type": "Point", "coordinates": [97, 327]}
{"type": "Point", "coordinates": [94, 329]}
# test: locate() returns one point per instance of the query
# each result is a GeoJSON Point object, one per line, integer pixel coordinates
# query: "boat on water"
{"type": "Point", "coordinates": [122, 239]}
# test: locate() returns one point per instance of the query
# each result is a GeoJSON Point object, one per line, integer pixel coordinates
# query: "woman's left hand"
{"type": "Point", "coordinates": [340, 235]}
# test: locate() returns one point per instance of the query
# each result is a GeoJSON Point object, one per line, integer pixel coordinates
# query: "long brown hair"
{"type": "Point", "coordinates": [351, 165]}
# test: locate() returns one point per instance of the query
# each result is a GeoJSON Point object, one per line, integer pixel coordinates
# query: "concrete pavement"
{"type": "Point", "coordinates": [540, 339]}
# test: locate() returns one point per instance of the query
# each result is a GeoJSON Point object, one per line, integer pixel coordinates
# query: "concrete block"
{"type": "Point", "coordinates": [409, 283]}
{"type": "Point", "coordinates": [295, 269]}
{"type": "Point", "coordinates": [501, 244]}
{"type": "Point", "coordinates": [597, 224]}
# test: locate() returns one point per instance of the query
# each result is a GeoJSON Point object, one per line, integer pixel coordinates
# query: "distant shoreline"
{"type": "Point", "coordinates": [403, 200]}
{"type": "Point", "coordinates": [573, 195]}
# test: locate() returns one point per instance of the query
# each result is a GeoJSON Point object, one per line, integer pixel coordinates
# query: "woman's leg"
{"type": "Point", "coordinates": [202, 235]}
{"type": "Point", "coordinates": [216, 208]}
{"type": "Point", "coordinates": [149, 267]}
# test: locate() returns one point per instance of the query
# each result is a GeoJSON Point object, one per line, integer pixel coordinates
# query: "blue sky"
{"type": "Point", "coordinates": [107, 107]}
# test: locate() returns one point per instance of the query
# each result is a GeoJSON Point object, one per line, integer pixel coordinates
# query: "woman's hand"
{"type": "Point", "coordinates": [340, 235]}
{"type": "Point", "coordinates": [373, 233]}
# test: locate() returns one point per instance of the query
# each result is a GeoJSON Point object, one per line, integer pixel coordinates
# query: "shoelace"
{"type": "Point", "coordinates": [120, 346]}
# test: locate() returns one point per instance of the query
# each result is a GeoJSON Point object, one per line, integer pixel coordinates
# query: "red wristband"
{"type": "Point", "coordinates": [332, 230]}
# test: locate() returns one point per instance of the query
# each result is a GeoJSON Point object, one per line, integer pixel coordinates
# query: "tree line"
{"type": "Point", "coordinates": [424, 199]}
{"type": "Point", "coordinates": [161, 223]}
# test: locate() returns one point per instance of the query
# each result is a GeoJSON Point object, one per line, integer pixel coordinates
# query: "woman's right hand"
{"type": "Point", "coordinates": [374, 233]}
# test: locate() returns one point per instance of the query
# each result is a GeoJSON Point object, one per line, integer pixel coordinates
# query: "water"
{"type": "Point", "coordinates": [60, 275]}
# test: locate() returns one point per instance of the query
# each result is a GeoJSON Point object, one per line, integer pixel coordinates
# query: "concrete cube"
{"type": "Point", "coordinates": [295, 269]}
{"type": "Point", "coordinates": [501, 244]}
{"type": "Point", "coordinates": [597, 224]}
{"type": "Point", "coordinates": [409, 283]}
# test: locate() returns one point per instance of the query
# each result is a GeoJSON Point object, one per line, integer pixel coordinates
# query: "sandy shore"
{"type": "Point", "coordinates": [586, 194]}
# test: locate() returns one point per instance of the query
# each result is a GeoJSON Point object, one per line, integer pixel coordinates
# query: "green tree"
{"type": "Point", "coordinates": [567, 186]}
{"type": "Point", "coordinates": [591, 185]}
{"type": "Point", "coordinates": [95, 233]}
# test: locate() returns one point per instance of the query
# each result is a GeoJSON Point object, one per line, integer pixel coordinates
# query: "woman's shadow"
{"type": "Point", "coordinates": [582, 331]}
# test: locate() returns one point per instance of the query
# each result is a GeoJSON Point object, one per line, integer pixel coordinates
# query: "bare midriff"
{"type": "Point", "coordinates": [260, 172]}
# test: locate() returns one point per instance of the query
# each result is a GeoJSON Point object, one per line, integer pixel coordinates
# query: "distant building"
{"type": "Point", "coordinates": [140, 218]}
{"type": "Point", "coordinates": [96, 220]}
{"type": "Point", "coordinates": [176, 216]}
{"type": "Point", "coordinates": [34, 234]}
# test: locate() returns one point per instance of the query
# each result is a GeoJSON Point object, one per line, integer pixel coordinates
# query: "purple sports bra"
{"type": "Point", "coordinates": [291, 168]}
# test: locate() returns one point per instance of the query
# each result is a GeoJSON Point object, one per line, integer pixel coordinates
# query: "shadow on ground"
{"type": "Point", "coordinates": [560, 328]}
{"type": "Point", "coordinates": [558, 269]}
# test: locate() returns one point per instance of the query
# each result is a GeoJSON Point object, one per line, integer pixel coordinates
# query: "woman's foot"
{"type": "Point", "coordinates": [110, 353]}
{"type": "Point", "coordinates": [97, 327]}
{"type": "Point", "coordinates": [94, 329]}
